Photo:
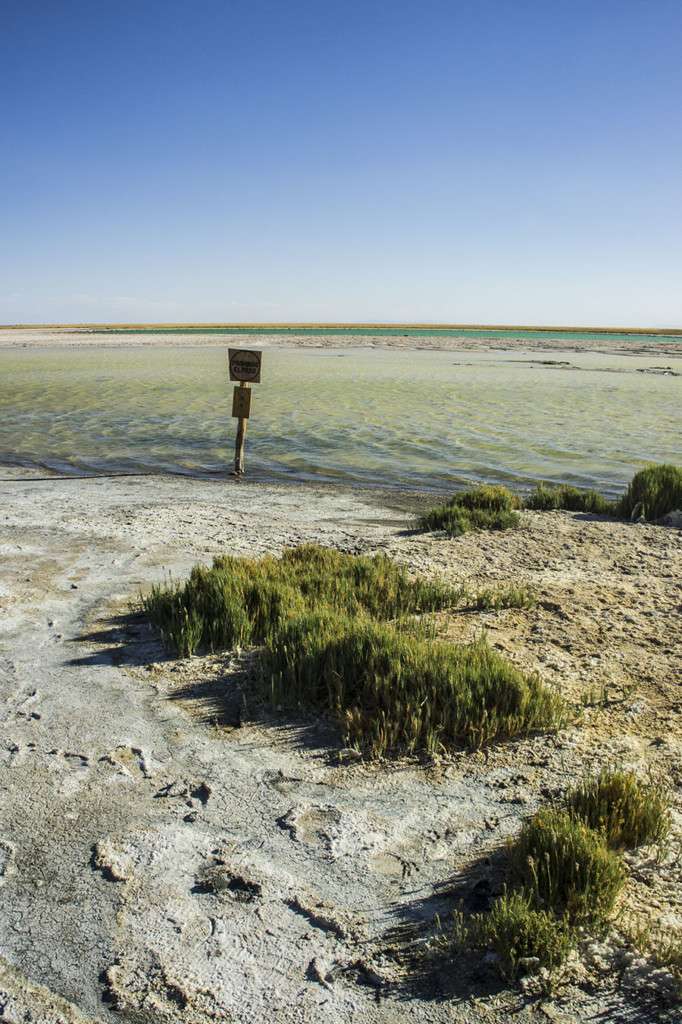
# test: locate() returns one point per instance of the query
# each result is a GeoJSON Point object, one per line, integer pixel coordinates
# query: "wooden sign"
{"type": "Point", "coordinates": [241, 403]}
{"type": "Point", "coordinates": [245, 364]}
{"type": "Point", "coordinates": [245, 367]}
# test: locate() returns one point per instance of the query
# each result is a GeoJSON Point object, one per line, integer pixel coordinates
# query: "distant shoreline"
{"type": "Point", "coordinates": [662, 345]}
{"type": "Point", "coordinates": [310, 326]}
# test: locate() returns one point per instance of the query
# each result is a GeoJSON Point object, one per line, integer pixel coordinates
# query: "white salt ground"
{"type": "Point", "coordinates": [160, 862]}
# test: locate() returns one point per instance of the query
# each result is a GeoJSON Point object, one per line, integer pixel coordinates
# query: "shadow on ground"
{"type": "Point", "coordinates": [125, 639]}
{"type": "Point", "coordinates": [220, 691]}
{"type": "Point", "coordinates": [418, 938]}
{"type": "Point", "coordinates": [434, 970]}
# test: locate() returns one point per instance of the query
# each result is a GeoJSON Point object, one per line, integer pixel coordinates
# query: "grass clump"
{"type": "Point", "coordinates": [488, 497]}
{"type": "Point", "coordinates": [566, 874]}
{"type": "Point", "coordinates": [652, 493]}
{"type": "Point", "coordinates": [523, 938]}
{"type": "Point", "coordinates": [563, 877]}
{"type": "Point", "coordinates": [627, 812]}
{"type": "Point", "coordinates": [547, 497]}
{"type": "Point", "coordinates": [455, 520]}
{"type": "Point", "coordinates": [239, 601]}
{"type": "Point", "coordinates": [487, 507]}
{"type": "Point", "coordinates": [341, 635]}
{"type": "Point", "coordinates": [392, 690]}
{"type": "Point", "coordinates": [221, 607]}
{"type": "Point", "coordinates": [567, 868]}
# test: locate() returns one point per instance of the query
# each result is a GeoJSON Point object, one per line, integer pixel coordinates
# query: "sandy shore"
{"type": "Point", "coordinates": [68, 338]}
{"type": "Point", "coordinates": [129, 778]}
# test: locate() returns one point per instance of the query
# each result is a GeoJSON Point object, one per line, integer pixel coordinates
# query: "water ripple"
{"type": "Point", "coordinates": [378, 418]}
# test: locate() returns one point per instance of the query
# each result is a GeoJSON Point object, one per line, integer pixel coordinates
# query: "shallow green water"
{"type": "Point", "coordinates": [426, 420]}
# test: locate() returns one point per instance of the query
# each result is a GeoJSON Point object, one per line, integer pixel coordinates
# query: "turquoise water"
{"type": "Point", "coordinates": [427, 420]}
{"type": "Point", "coordinates": [405, 332]}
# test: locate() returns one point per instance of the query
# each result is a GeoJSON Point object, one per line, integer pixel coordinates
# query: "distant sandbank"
{"type": "Point", "coordinates": [636, 342]}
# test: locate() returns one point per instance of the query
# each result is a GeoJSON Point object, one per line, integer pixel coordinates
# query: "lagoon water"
{"type": "Point", "coordinates": [427, 420]}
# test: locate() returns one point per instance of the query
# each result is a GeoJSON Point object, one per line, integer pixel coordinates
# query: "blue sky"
{"type": "Point", "coordinates": [440, 161]}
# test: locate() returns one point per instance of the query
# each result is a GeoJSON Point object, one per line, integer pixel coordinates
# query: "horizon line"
{"type": "Point", "coordinates": [329, 325]}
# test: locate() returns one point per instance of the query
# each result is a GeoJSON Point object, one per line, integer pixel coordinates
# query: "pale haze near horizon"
{"type": "Point", "coordinates": [436, 161]}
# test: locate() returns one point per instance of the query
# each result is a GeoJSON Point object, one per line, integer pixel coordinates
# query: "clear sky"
{"type": "Point", "coordinates": [483, 161]}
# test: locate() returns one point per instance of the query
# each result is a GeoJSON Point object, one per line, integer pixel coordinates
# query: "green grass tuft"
{"type": "Point", "coordinates": [240, 601]}
{"type": "Point", "coordinates": [392, 690]}
{"type": "Point", "coordinates": [457, 520]}
{"type": "Point", "coordinates": [487, 497]}
{"type": "Point", "coordinates": [566, 875]}
{"type": "Point", "coordinates": [567, 867]}
{"type": "Point", "coordinates": [548, 497]}
{"type": "Point", "coordinates": [523, 938]}
{"type": "Point", "coordinates": [487, 507]}
{"type": "Point", "coordinates": [652, 493]}
{"type": "Point", "coordinates": [626, 811]}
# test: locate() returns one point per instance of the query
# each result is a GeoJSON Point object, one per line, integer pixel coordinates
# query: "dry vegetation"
{"type": "Point", "coordinates": [627, 812]}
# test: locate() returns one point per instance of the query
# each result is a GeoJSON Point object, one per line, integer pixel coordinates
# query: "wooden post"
{"type": "Point", "coordinates": [245, 367]}
{"type": "Point", "coordinates": [239, 443]}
